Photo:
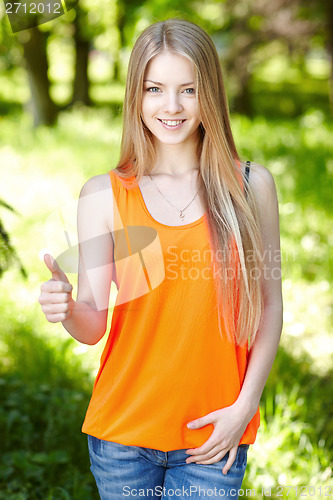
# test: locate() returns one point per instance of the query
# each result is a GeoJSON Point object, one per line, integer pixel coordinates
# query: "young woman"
{"type": "Point", "coordinates": [190, 236]}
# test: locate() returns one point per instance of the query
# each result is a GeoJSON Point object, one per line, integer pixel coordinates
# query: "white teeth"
{"type": "Point", "coordinates": [172, 123]}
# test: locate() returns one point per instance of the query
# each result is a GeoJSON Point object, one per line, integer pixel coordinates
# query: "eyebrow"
{"type": "Point", "coordinates": [159, 83]}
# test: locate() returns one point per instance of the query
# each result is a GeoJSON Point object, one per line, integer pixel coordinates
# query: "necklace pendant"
{"type": "Point", "coordinates": [182, 215]}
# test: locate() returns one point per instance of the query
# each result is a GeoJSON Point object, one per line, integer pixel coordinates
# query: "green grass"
{"type": "Point", "coordinates": [46, 377]}
{"type": "Point", "coordinates": [44, 398]}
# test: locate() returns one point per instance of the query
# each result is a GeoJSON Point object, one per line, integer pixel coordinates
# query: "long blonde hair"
{"type": "Point", "coordinates": [233, 219]}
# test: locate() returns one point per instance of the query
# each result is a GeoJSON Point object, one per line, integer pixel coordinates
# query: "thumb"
{"type": "Point", "coordinates": [52, 265]}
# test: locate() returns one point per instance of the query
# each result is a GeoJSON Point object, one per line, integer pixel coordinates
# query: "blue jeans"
{"type": "Point", "coordinates": [132, 471]}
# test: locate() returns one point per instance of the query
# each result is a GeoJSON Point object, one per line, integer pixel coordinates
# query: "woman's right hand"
{"type": "Point", "coordinates": [56, 293]}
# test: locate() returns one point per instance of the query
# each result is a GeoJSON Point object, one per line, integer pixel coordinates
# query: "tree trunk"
{"type": "Point", "coordinates": [243, 100]}
{"type": "Point", "coordinates": [81, 80]}
{"type": "Point", "coordinates": [237, 65]}
{"type": "Point", "coordinates": [44, 109]}
{"type": "Point", "coordinates": [117, 67]}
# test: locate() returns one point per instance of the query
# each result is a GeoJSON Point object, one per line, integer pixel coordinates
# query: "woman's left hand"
{"type": "Point", "coordinates": [229, 426]}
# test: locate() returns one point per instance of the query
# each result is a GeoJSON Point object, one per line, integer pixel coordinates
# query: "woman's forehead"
{"type": "Point", "coordinates": [168, 66]}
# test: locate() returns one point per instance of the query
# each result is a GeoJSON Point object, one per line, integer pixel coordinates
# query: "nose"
{"type": "Point", "coordinates": [172, 103]}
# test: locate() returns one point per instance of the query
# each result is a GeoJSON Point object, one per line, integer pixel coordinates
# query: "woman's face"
{"type": "Point", "coordinates": [169, 103]}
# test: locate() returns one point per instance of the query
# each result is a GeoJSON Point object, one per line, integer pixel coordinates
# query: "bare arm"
{"type": "Point", "coordinates": [86, 318]}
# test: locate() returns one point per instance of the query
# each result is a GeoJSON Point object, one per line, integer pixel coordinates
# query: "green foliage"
{"type": "Point", "coordinates": [284, 99]}
{"type": "Point", "coordinates": [298, 153]}
{"type": "Point", "coordinates": [294, 444]}
{"type": "Point", "coordinates": [44, 383]}
{"type": "Point", "coordinates": [44, 397]}
{"type": "Point", "coordinates": [8, 254]}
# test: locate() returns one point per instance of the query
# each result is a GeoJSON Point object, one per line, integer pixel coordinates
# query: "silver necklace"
{"type": "Point", "coordinates": [181, 212]}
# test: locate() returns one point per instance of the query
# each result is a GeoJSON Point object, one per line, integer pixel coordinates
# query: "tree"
{"type": "Point", "coordinates": [251, 25]}
{"type": "Point", "coordinates": [82, 41]}
{"type": "Point", "coordinates": [34, 46]}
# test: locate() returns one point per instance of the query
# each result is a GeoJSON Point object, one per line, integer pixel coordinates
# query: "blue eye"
{"type": "Point", "coordinates": [189, 91]}
{"type": "Point", "coordinates": [153, 90]}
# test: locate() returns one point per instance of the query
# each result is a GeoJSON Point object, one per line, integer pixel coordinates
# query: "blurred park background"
{"type": "Point", "coordinates": [61, 92]}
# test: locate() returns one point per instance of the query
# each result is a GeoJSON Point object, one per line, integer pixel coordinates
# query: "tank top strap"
{"type": "Point", "coordinates": [243, 184]}
{"type": "Point", "coordinates": [247, 175]}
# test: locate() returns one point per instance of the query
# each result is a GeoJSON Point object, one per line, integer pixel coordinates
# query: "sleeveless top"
{"type": "Point", "coordinates": [164, 363]}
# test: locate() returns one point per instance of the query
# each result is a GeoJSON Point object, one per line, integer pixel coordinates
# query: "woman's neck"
{"type": "Point", "coordinates": [174, 160]}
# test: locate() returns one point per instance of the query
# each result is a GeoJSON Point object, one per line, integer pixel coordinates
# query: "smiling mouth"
{"type": "Point", "coordinates": [171, 123]}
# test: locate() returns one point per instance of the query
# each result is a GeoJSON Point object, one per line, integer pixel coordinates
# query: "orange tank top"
{"type": "Point", "coordinates": [164, 363]}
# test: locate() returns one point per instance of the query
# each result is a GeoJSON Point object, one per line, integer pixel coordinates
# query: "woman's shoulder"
{"type": "Point", "coordinates": [262, 185]}
{"type": "Point", "coordinates": [96, 201]}
{"type": "Point", "coordinates": [261, 181]}
{"type": "Point", "coordinates": [97, 183]}
{"type": "Point", "coordinates": [258, 173]}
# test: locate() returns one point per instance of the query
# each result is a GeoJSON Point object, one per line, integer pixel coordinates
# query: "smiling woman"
{"type": "Point", "coordinates": [196, 323]}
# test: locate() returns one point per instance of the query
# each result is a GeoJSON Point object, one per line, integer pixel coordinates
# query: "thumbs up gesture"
{"type": "Point", "coordinates": [56, 293]}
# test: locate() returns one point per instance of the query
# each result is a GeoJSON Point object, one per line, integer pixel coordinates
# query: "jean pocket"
{"type": "Point", "coordinates": [95, 445]}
